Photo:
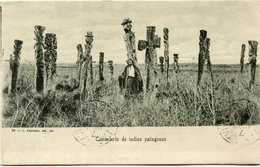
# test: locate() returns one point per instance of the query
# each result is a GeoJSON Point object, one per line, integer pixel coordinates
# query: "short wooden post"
{"type": "Point", "coordinates": [85, 65]}
{"type": "Point", "coordinates": [152, 42]}
{"type": "Point", "coordinates": [111, 68]}
{"type": "Point", "coordinates": [166, 53]}
{"type": "Point", "coordinates": [101, 66]}
{"type": "Point", "coordinates": [242, 56]}
{"type": "Point", "coordinates": [39, 83]}
{"type": "Point", "coordinates": [91, 70]}
{"type": "Point", "coordinates": [129, 38]}
{"type": "Point", "coordinates": [14, 65]}
{"type": "Point", "coordinates": [202, 54]}
{"type": "Point", "coordinates": [252, 59]}
{"type": "Point", "coordinates": [79, 60]}
{"type": "Point", "coordinates": [175, 62]}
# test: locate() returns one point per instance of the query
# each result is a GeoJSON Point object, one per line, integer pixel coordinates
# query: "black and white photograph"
{"type": "Point", "coordinates": [126, 64]}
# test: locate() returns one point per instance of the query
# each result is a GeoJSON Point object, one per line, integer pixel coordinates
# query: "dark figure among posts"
{"type": "Point", "coordinates": [131, 80]}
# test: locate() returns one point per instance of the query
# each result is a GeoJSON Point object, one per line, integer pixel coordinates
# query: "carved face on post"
{"type": "Point", "coordinates": [89, 38]}
{"type": "Point", "coordinates": [127, 25]}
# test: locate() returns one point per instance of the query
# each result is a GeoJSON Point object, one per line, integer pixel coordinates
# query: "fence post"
{"type": "Point", "coordinates": [252, 59]}
{"type": "Point", "coordinates": [242, 56]}
{"type": "Point", "coordinates": [101, 66]}
{"type": "Point", "coordinates": [91, 70]}
{"type": "Point", "coordinates": [14, 65]}
{"type": "Point", "coordinates": [54, 56]}
{"type": "Point", "coordinates": [39, 83]}
{"type": "Point", "coordinates": [152, 42]}
{"type": "Point", "coordinates": [175, 62]}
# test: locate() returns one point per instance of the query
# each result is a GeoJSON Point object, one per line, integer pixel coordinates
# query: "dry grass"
{"type": "Point", "coordinates": [180, 105]}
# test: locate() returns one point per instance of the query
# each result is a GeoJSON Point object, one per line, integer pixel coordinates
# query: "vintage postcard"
{"type": "Point", "coordinates": [124, 82]}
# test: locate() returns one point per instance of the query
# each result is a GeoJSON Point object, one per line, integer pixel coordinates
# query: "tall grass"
{"type": "Point", "coordinates": [181, 104]}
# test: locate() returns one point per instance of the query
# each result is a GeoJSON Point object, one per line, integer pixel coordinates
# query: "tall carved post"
{"type": "Point", "coordinates": [79, 60]}
{"type": "Point", "coordinates": [101, 66]}
{"type": "Point", "coordinates": [252, 59]}
{"type": "Point", "coordinates": [175, 62]}
{"type": "Point", "coordinates": [111, 68]}
{"type": "Point", "coordinates": [202, 54]}
{"type": "Point", "coordinates": [39, 83]}
{"type": "Point", "coordinates": [152, 42]}
{"type": "Point", "coordinates": [166, 52]}
{"type": "Point", "coordinates": [242, 56]}
{"type": "Point", "coordinates": [208, 58]}
{"type": "Point", "coordinates": [14, 65]}
{"type": "Point", "coordinates": [54, 56]}
{"type": "Point", "coordinates": [129, 38]}
{"type": "Point", "coordinates": [85, 65]}
{"type": "Point", "coordinates": [50, 57]}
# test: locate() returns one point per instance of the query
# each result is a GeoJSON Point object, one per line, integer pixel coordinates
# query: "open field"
{"type": "Point", "coordinates": [226, 101]}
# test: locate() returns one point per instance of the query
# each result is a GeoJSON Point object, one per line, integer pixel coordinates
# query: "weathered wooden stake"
{"type": "Point", "coordinates": [242, 56]}
{"type": "Point", "coordinates": [161, 60]}
{"type": "Point", "coordinates": [129, 38]}
{"type": "Point", "coordinates": [166, 52]}
{"type": "Point", "coordinates": [202, 54]}
{"type": "Point", "coordinates": [208, 59]}
{"type": "Point", "coordinates": [85, 65]}
{"type": "Point", "coordinates": [175, 62]}
{"type": "Point", "coordinates": [91, 70]}
{"type": "Point", "coordinates": [79, 60]}
{"type": "Point", "coordinates": [152, 42]}
{"type": "Point", "coordinates": [54, 56]}
{"type": "Point", "coordinates": [14, 65]}
{"type": "Point", "coordinates": [252, 59]}
{"type": "Point", "coordinates": [111, 68]}
{"type": "Point", "coordinates": [101, 66]}
{"type": "Point", "coordinates": [39, 83]}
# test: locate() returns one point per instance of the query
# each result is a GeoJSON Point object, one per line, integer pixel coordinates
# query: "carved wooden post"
{"type": "Point", "coordinates": [101, 66]}
{"type": "Point", "coordinates": [91, 70]}
{"type": "Point", "coordinates": [208, 58]}
{"type": "Point", "coordinates": [161, 60]}
{"type": "Point", "coordinates": [85, 65]}
{"type": "Point", "coordinates": [242, 56]}
{"type": "Point", "coordinates": [14, 65]}
{"type": "Point", "coordinates": [54, 56]}
{"type": "Point", "coordinates": [50, 57]}
{"type": "Point", "coordinates": [166, 53]}
{"type": "Point", "coordinates": [79, 60]}
{"type": "Point", "coordinates": [252, 59]}
{"type": "Point", "coordinates": [39, 83]}
{"type": "Point", "coordinates": [152, 42]}
{"type": "Point", "coordinates": [129, 38]}
{"type": "Point", "coordinates": [202, 54]}
{"type": "Point", "coordinates": [111, 68]}
{"type": "Point", "coordinates": [175, 62]}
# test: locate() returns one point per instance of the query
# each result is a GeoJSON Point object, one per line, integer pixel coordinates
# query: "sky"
{"type": "Point", "coordinates": [229, 25]}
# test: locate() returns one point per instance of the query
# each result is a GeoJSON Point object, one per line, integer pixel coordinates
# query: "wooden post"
{"type": "Point", "coordinates": [79, 60]}
{"type": "Point", "coordinates": [14, 65]}
{"type": "Point", "coordinates": [161, 60]}
{"type": "Point", "coordinates": [152, 42]}
{"type": "Point", "coordinates": [242, 56]}
{"type": "Point", "coordinates": [202, 54]}
{"type": "Point", "coordinates": [208, 59]}
{"type": "Point", "coordinates": [252, 59]}
{"type": "Point", "coordinates": [166, 53]}
{"type": "Point", "coordinates": [39, 83]}
{"type": "Point", "coordinates": [175, 62]}
{"type": "Point", "coordinates": [85, 65]}
{"type": "Point", "coordinates": [54, 55]}
{"type": "Point", "coordinates": [91, 70]}
{"type": "Point", "coordinates": [129, 38]}
{"type": "Point", "coordinates": [101, 66]}
{"type": "Point", "coordinates": [111, 68]}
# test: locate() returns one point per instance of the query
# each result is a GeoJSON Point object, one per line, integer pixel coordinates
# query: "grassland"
{"type": "Point", "coordinates": [226, 101]}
